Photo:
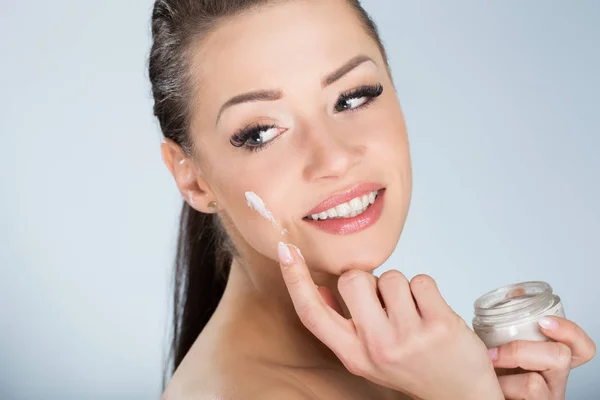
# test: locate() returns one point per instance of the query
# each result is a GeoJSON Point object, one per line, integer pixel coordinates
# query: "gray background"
{"type": "Point", "coordinates": [502, 108]}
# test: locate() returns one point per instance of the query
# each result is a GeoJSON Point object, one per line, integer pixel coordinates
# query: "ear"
{"type": "Point", "coordinates": [193, 187]}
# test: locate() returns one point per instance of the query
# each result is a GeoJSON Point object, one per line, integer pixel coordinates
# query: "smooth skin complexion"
{"type": "Point", "coordinates": [293, 101]}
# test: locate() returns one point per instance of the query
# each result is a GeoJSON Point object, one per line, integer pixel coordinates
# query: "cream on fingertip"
{"type": "Point", "coordinates": [285, 256]}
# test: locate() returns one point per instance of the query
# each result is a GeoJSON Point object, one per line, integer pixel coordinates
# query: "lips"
{"type": "Point", "coordinates": [345, 196]}
{"type": "Point", "coordinates": [352, 224]}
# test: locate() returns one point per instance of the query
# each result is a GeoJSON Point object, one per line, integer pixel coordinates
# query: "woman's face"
{"type": "Point", "coordinates": [317, 117]}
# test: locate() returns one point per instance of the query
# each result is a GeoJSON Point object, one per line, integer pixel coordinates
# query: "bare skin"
{"type": "Point", "coordinates": [256, 346]}
{"type": "Point", "coordinates": [255, 336]}
{"type": "Point", "coordinates": [268, 354]}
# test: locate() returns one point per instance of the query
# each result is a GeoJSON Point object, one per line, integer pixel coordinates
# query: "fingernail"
{"type": "Point", "coordinates": [285, 257]}
{"type": "Point", "coordinates": [493, 353]}
{"type": "Point", "coordinates": [548, 323]}
{"type": "Point", "coordinates": [298, 251]}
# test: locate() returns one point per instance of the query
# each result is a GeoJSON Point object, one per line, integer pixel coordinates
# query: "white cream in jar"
{"type": "Point", "coordinates": [512, 313]}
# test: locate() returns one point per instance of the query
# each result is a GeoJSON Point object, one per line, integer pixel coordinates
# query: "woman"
{"type": "Point", "coordinates": [293, 101]}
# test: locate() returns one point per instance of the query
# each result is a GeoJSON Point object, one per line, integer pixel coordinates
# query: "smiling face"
{"type": "Point", "coordinates": [294, 103]}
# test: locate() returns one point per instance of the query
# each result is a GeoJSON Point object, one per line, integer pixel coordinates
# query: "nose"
{"type": "Point", "coordinates": [333, 151]}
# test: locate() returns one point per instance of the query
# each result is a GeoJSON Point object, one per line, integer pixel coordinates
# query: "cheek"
{"type": "Point", "coordinates": [389, 140]}
{"type": "Point", "coordinates": [230, 183]}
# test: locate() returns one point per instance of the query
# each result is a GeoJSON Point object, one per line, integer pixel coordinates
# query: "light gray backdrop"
{"type": "Point", "coordinates": [502, 107]}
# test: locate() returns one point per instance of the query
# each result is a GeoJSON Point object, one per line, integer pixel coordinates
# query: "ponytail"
{"type": "Point", "coordinates": [202, 267]}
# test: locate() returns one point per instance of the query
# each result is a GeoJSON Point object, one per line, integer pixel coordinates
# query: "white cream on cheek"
{"type": "Point", "coordinates": [256, 203]}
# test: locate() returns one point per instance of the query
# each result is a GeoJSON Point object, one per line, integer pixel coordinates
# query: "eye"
{"type": "Point", "coordinates": [262, 136]}
{"type": "Point", "coordinates": [255, 137]}
{"type": "Point", "coordinates": [359, 97]}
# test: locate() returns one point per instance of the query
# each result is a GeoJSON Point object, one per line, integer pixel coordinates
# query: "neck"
{"type": "Point", "coordinates": [256, 306]}
{"type": "Point", "coordinates": [257, 301]}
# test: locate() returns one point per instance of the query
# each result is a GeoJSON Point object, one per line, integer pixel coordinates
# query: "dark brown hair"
{"type": "Point", "coordinates": [203, 256]}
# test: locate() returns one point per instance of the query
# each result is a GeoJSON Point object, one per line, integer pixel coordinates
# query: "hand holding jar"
{"type": "Point", "coordinates": [530, 342]}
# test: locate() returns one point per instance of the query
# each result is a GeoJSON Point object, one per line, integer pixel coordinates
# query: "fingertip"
{"type": "Point", "coordinates": [548, 323]}
{"type": "Point", "coordinates": [285, 256]}
{"type": "Point", "coordinates": [422, 280]}
{"type": "Point", "coordinates": [349, 275]}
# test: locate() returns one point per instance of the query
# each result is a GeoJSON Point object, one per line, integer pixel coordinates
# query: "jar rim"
{"type": "Point", "coordinates": [513, 298]}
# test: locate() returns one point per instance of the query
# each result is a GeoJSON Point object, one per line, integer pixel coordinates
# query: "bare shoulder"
{"type": "Point", "coordinates": [276, 392]}
{"type": "Point", "coordinates": [244, 381]}
{"type": "Point", "coordinates": [282, 392]}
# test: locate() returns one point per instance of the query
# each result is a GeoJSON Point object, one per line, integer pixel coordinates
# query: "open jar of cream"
{"type": "Point", "coordinates": [512, 313]}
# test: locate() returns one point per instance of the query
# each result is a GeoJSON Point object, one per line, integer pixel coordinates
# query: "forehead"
{"type": "Point", "coordinates": [288, 43]}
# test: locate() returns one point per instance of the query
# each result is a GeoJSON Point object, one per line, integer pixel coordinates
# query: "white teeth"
{"type": "Point", "coordinates": [356, 204]}
{"type": "Point", "coordinates": [343, 209]}
{"type": "Point", "coordinates": [372, 196]}
{"type": "Point", "coordinates": [365, 201]}
{"type": "Point", "coordinates": [350, 209]}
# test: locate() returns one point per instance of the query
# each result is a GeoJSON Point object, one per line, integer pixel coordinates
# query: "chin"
{"type": "Point", "coordinates": [366, 251]}
{"type": "Point", "coordinates": [364, 258]}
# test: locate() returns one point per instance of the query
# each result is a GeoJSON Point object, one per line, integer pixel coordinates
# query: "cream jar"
{"type": "Point", "coordinates": [512, 313]}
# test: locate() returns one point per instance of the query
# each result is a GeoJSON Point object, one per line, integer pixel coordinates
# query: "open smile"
{"type": "Point", "coordinates": [350, 211]}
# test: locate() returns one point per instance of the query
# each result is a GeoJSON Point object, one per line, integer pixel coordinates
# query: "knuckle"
{"type": "Point", "coordinates": [446, 325]}
{"type": "Point", "coordinates": [562, 355]}
{"type": "Point", "coordinates": [307, 316]}
{"type": "Point", "coordinates": [589, 351]}
{"type": "Point", "coordinates": [534, 384]}
{"type": "Point", "coordinates": [511, 351]}
{"type": "Point", "coordinates": [440, 327]}
{"type": "Point", "coordinates": [352, 366]}
{"type": "Point", "coordinates": [379, 352]}
{"type": "Point", "coordinates": [292, 279]}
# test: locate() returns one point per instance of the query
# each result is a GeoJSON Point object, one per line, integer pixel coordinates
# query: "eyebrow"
{"type": "Point", "coordinates": [344, 69]}
{"type": "Point", "coordinates": [272, 95]}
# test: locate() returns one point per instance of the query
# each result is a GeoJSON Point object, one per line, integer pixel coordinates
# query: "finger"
{"type": "Point", "coordinates": [551, 359]}
{"type": "Point", "coordinates": [529, 386]}
{"type": "Point", "coordinates": [583, 348]}
{"type": "Point", "coordinates": [532, 356]}
{"type": "Point", "coordinates": [359, 291]}
{"type": "Point", "coordinates": [330, 299]}
{"type": "Point", "coordinates": [332, 329]}
{"type": "Point", "coordinates": [428, 297]}
{"type": "Point", "coordinates": [398, 299]}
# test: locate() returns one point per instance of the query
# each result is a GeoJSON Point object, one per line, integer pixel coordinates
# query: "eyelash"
{"type": "Point", "coordinates": [371, 92]}
{"type": "Point", "coordinates": [241, 137]}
